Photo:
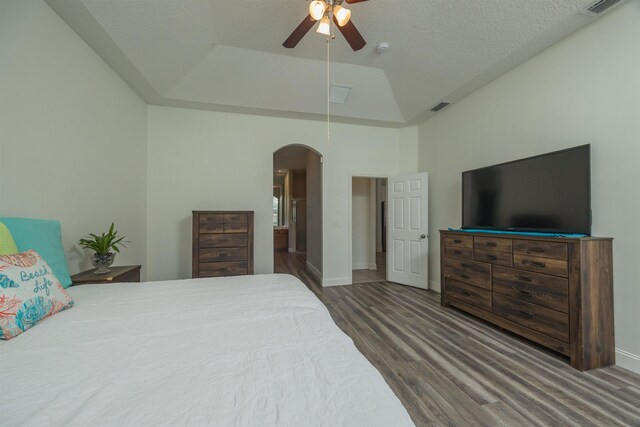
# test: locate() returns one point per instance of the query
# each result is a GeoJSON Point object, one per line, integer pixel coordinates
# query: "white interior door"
{"type": "Point", "coordinates": [408, 230]}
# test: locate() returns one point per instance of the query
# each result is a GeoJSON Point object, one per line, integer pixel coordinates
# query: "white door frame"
{"type": "Point", "coordinates": [350, 222]}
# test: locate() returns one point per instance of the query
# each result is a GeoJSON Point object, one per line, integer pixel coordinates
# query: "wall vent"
{"type": "Point", "coordinates": [440, 106]}
{"type": "Point", "coordinates": [600, 6]}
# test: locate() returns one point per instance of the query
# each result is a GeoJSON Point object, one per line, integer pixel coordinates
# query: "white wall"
{"type": "Point", "coordinates": [586, 89]}
{"type": "Point", "coordinates": [72, 134]}
{"type": "Point", "coordinates": [209, 160]}
{"type": "Point", "coordinates": [408, 145]}
{"type": "Point", "coordinates": [361, 223]}
{"type": "Point", "coordinates": [314, 212]}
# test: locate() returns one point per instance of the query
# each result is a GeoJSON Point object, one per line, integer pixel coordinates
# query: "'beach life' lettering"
{"type": "Point", "coordinates": [44, 286]}
{"type": "Point", "coordinates": [24, 276]}
{"type": "Point", "coordinates": [38, 285]}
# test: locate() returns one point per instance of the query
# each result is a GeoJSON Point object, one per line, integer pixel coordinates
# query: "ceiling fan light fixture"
{"type": "Point", "coordinates": [324, 27]}
{"type": "Point", "coordinates": [317, 9]}
{"type": "Point", "coordinates": [342, 15]}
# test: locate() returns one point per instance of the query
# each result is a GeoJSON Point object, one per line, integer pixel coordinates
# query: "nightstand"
{"type": "Point", "coordinates": [126, 273]}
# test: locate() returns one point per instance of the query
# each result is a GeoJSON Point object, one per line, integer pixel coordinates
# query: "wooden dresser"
{"type": "Point", "coordinates": [557, 292]}
{"type": "Point", "coordinates": [222, 243]}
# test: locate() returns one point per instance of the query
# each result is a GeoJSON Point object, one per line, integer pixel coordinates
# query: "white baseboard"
{"type": "Point", "coordinates": [312, 268]}
{"type": "Point", "coordinates": [340, 281]}
{"type": "Point", "coordinates": [434, 286]}
{"type": "Point", "coordinates": [362, 266]}
{"type": "Point", "coordinates": [627, 360]}
{"type": "Point", "coordinates": [373, 266]}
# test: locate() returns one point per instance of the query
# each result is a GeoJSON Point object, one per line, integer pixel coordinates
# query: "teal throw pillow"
{"type": "Point", "coordinates": [44, 237]}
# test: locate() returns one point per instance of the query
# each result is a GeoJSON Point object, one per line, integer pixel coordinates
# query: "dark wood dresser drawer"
{"type": "Point", "coordinates": [556, 267]}
{"type": "Point", "coordinates": [223, 254]}
{"type": "Point", "coordinates": [493, 257]}
{"type": "Point", "coordinates": [492, 243]}
{"type": "Point", "coordinates": [457, 242]}
{"type": "Point", "coordinates": [204, 218]}
{"type": "Point", "coordinates": [548, 291]}
{"type": "Point", "coordinates": [469, 294]}
{"type": "Point", "coordinates": [217, 269]}
{"type": "Point", "coordinates": [211, 227]}
{"type": "Point", "coordinates": [540, 249]}
{"type": "Point", "coordinates": [223, 240]}
{"type": "Point", "coordinates": [235, 227]}
{"type": "Point", "coordinates": [548, 322]}
{"type": "Point", "coordinates": [471, 272]}
{"type": "Point", "coordinates": [466, 253]}
{"type": "Point", "coordinates": [233, 217]}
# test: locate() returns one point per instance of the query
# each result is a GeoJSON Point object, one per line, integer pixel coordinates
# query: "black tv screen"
{"type": "Point", "coordinates": [546, 193]}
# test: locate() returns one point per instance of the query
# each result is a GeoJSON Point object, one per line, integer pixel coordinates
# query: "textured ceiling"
{"type": "Point", "coordinates": [228, 55]}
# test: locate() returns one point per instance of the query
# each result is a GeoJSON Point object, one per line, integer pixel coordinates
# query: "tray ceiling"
{"type": "Point", "coordinates": [228, 55]}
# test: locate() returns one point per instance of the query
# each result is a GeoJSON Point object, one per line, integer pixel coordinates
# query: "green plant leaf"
{"type": "Point", "coordinates": [105, 242]}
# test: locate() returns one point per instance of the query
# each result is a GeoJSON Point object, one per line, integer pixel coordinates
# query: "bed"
{"type": "Point", "coordinates": [243, 351]}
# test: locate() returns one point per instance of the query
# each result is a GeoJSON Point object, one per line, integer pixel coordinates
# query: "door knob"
{"type": "Point", "coordinates": [423, 236]}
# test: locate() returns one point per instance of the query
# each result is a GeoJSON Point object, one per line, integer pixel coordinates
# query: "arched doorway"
{"type": "Point", "coordinates": [297, 209]}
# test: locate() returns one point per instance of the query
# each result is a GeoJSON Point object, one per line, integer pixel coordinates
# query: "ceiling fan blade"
{"type": "Point", "coordinates": [354, 1]}
{"type": "Point", "coordinates": [299, 32]}
{"type": "Point", "coordinates": [351, 33]}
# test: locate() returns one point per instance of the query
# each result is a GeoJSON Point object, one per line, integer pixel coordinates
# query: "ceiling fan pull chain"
{"type": "Point", "coordinates": [328, 90]}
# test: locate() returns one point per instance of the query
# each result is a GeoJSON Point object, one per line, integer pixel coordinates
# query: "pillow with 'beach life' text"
{"type": "Point", "coordinates": [29, 292]}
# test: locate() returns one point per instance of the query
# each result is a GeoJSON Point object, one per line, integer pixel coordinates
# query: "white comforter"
{"type": "Point", "coordinates": [246, 351]}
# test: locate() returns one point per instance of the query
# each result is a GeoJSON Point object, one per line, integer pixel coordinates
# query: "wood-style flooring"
{"type": "Point", "coordinates": [450, 369]}
{"type": "Point", "coordinates": [368, 276]}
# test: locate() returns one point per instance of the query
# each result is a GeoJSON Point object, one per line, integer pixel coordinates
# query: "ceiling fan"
{"type": "Point", "coordinates": [323, 11]}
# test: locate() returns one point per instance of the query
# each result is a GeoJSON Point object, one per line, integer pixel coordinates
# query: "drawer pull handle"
{"type": "Point", "coordinates": [467, 293]}
{"type": "Point", "coordinates": [526, 314]}
{"type": "Point", "coordinates": [465, 265]}
{"type": "Point", "coordinates": [464, 276]}
{"type": "Point", "coordinates": [525, 278]}
{"type": "Point", "coordinates": [457, 252]}
{"type": "Point", "coordinates": [537, 250]}
{"type": "Point", "coordinates": [538, 264]}
{"type": "Point", "coordinates": [457, 241]}
{"type": "Point", "coordinates": [526, 293]}
{"type": "Point", "coordinates": [492, 244]}
{"type": "Point", "coordinates": [492, 257]}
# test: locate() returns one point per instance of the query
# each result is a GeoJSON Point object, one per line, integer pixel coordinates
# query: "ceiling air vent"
{"type": "Point", "coordinates": [440, 106]}
{"type": "Point", "coordinates": [600, 6]}
{"type": "Point", "coordinates": [338, 94]}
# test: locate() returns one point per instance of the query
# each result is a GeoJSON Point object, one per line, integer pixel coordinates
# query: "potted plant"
{"type": "Point", "coordinates": [103, 245]}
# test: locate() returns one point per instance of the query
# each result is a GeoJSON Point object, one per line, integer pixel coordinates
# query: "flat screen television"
{"type": "Point", "coordinates": [547, 193]}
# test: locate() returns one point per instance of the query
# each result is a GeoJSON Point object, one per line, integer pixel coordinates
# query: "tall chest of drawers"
{"type": "Point", "coordinates": [557, 292]}
{"type": "Point", "coordinates": [222, 243]}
